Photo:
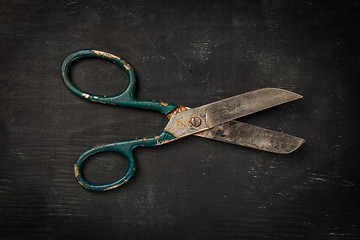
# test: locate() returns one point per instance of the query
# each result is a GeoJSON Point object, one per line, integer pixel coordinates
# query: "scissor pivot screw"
{"type": "Point", "coordinates": [195, 121]}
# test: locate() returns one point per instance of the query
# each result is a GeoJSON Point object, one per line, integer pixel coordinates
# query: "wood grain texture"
{"type": "Point", "coordinates": [190, 53]}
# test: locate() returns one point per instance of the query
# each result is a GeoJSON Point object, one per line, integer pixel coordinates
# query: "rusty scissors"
{"type": "Point", "coordinates": [213, 121]}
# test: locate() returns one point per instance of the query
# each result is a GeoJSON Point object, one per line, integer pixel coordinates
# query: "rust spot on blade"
{"type": "Point", "coordinates": [180, 123]}
{"type": "Point", "coordinates": [177, 110]}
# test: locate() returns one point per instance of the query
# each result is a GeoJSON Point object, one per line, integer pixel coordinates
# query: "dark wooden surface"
{"type": "Point", "coordinates": [189, 53]}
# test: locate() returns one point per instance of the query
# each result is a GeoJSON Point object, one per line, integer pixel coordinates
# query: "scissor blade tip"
{"type": "Point", "coordinates": [295, 95]}
{"type": "Point", "coordinates": [280, 90]}
{"type": "Point", "coordinates": [299, 143]}
{"type": "Point", "coordinates": [298, 96]}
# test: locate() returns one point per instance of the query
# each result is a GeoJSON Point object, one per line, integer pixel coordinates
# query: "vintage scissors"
{"type": "Point", "coordinates": [213, 121]}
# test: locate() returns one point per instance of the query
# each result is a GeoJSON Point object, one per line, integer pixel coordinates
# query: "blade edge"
{"type": "Point", "coordinates": [245, 104]}
{"type": "Point", "coordinates": [251, 136]}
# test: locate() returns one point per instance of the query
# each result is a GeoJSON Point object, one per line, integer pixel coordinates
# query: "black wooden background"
{"type": "Point", "coordinates": [190, 53]}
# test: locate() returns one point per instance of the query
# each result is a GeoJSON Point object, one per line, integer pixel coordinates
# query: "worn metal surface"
{"type": "Point", "coordinates": [248, 135]}
{"type": "Point", "coordinates": [254, 137]}
{"type": "Point", "coordinates": [228, 109]}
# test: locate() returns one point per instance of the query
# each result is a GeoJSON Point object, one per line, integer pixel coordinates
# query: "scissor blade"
{"type": "Point", "coordinates": [245, 104]}
{"type": "Point", "coordinates": [252, 136]}
{"type": "Point", "coordinates": [213, 114]}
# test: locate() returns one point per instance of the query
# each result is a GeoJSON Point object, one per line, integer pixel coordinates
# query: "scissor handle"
{"type": "Point", "coordinates": [125, 98]}
{"type": "Point", "coordinates": [123, 147]}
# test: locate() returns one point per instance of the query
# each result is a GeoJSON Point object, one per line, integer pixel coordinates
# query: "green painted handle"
{"type": "Point", "coordinates": [126, 98]}
{"type": "Point", "coordinates": [123, 147]}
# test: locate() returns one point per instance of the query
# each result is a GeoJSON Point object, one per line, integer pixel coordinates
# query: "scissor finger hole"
{"type": "Point", "coordinates": [99, 77]}
{"type": "Point", "coordinates": [105, 167]}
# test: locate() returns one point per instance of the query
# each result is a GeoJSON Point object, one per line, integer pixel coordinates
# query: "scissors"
{"type": "Point", "coordinates": [214, 120]}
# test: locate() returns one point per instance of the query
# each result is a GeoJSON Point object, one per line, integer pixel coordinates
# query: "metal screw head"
{"type": "Point", "coordinates": [195, 121]}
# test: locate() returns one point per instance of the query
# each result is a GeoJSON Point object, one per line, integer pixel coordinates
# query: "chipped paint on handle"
{"type": "Point", "coordinates": [126, 98]}
{"type": "Point", "coordinates": [125, 148]}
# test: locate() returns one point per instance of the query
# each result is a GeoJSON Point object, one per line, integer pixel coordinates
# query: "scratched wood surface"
{"type": "Point", "coordinates": [189, 53]}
